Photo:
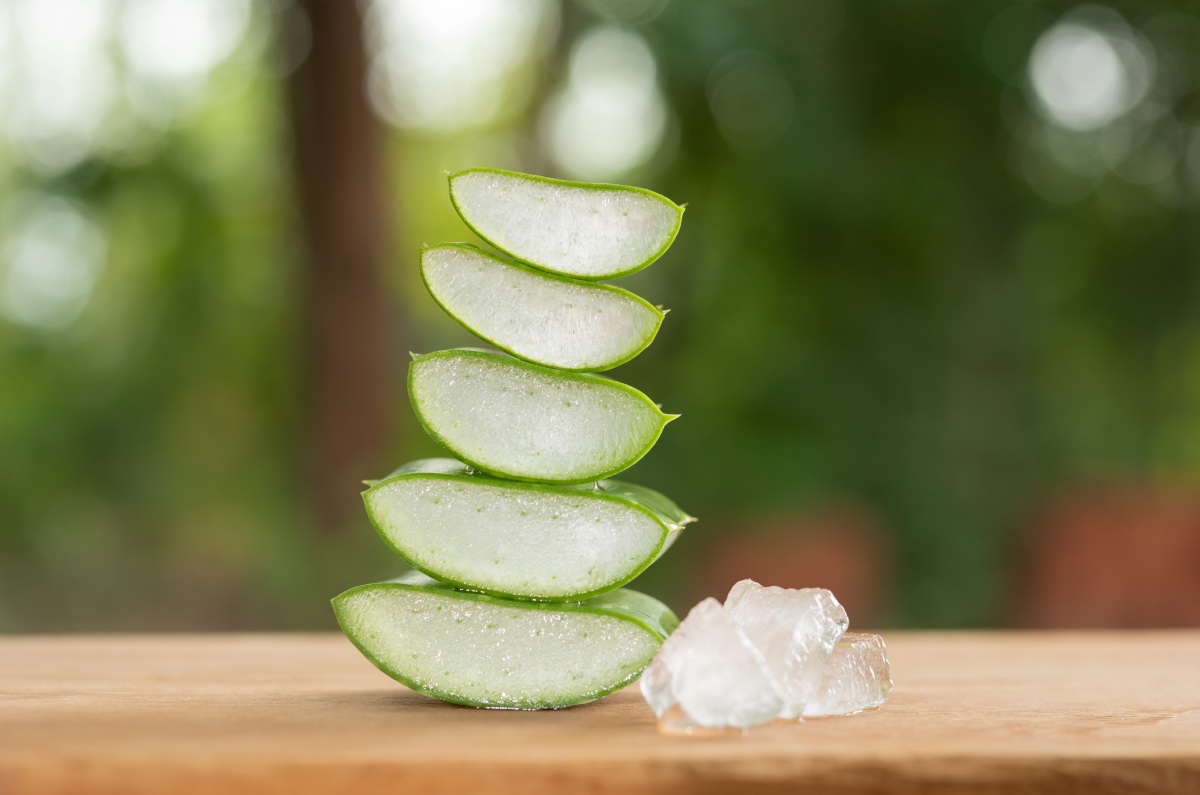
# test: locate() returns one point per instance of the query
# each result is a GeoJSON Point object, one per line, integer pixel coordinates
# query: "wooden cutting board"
{"type": "Point", "coordinates": [996, 713]}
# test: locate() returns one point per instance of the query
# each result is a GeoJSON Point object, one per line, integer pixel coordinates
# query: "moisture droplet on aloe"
{"type": "Point", "coordinates": [573, 228]}
{"type": "Point", "coordinates": [520, 420]}
{"type": "Point", "coordinates": [521, 540]}
{"type": "Point", "coordinates": [552, 320]}
{"type": "Point", "coordinates": [486, 652]}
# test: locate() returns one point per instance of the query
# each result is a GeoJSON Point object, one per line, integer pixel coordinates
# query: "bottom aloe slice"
{"type": "Point", "coordinates": [477, 650]}
{"type": "Point", "coordinates": [523, 540]}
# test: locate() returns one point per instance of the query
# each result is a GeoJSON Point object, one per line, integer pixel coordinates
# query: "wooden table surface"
{"type": "Point", "coordinates": [979, 712]}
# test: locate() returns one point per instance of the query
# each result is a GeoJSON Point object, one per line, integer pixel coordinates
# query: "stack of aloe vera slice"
{"type": "Point", "coordinates": [520, 542]}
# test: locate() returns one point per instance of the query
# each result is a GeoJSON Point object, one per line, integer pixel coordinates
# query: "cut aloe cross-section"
{"type": "Point", "coordinates": [481, 651]}
{"type": "Point", "coordinates": [573, 228]}
{"type": "Point", "coordinates": [521, 540]}
{"type": "Point", "coordinates": [552, 320]}
{"type": "Point", "coordinates": [519, 420]}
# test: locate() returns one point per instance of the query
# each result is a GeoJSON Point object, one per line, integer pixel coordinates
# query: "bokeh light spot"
{"type": "Point", "coordinates": [61, 80]}
{"type": "Point", "coordinates": [181, 40]}
{"type": "Point", "coordinates": [451, 64]}
{"type": "Point", "coordinates": [611, 116]}
{"type": "Point", "coordinates": [53, 256]}
{"type": "Point", "coordinates": [1085, 74]}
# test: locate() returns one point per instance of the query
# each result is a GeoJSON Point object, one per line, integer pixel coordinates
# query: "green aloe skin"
{"type": "Point", "coordinates": [521, 541]}
{"type": "Point", "coordinates": [476, 650]}
{"type": "Point", "coordinates": [518, 420]}
{"type": "Point", "coordinates": [571, 228]}
{"type": "Point", "coordinates": [559, 322]}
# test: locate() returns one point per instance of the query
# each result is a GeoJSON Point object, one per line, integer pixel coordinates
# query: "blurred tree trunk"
{"type": "Point", "coordinates": [339, 164]}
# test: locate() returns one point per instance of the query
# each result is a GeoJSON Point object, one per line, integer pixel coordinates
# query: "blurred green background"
{"type": "Point", "coordinates": [936, 300]}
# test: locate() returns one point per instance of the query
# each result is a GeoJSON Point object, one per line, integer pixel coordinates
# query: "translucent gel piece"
{"type": "Point", "coordinates": [795, 630]}
{"type": "Point", "coordinates": [857, 677]}
{"type": "Point", "coordinates": [709, 671]}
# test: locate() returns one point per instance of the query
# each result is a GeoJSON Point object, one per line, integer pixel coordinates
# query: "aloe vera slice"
{"type": "Point", "coordinates": [523, 421]}
{"type": "Point", "coordinates": [552, 320]}
{"type": "Point", "coordinates": [481, 651]}
{"type": "Point", "coordinates": [573, 228]}
{"type": "Point", "coordinates": [521, 540]}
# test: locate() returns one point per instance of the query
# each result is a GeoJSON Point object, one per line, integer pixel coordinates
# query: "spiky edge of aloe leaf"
{"type": "Point", "coordinates": [592, 186]}
{"type": "Point", "coordinates": [644, 611]}
{"type": "Point", "coordinates": [573, 280]}
{"type": "Point", "coordinates": [597, 380]}
{"type": "Point", "coordinates": [670, 529]}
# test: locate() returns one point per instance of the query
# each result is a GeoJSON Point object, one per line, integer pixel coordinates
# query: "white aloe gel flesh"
{"type": "Point", "coordinates": [857, 677]}
{"type": "Point", "coordinates": [481, 651]}
{"type": "Point", "coordinates": [551, 320]}
{"type": "Point", "coordinates": [576, 229]}
{"type": "Point", "coordinates": [518, 420]}
{"type": "Point", "coordinates": [796, 631]}
{"type": "Point", "coordinates": [521, 540]}
{"type": "Point", "coordinates": [709, 671]}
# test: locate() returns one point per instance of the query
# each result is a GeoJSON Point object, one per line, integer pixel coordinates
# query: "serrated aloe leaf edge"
{"type": "Point", "coordinates": [562, 183]}
{"type": "Point", "coordinates": [547, 275]}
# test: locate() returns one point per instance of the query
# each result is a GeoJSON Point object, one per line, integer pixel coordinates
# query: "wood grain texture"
{"type": "Point", "coordinates": [992, 713]}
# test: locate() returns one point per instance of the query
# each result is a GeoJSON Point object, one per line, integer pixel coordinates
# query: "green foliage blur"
{"type": "Point", "coordinates": [899, 284]}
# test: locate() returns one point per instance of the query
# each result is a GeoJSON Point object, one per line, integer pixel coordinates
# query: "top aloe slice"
{"type": "Point", "coordinates": [552, 320]}
{"type": "Point", "coordinates": [523, 421]}
{"type": "Point", "coordinates": [477, 650]}
{"type": "Point", "coordinates": [574, 228]}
